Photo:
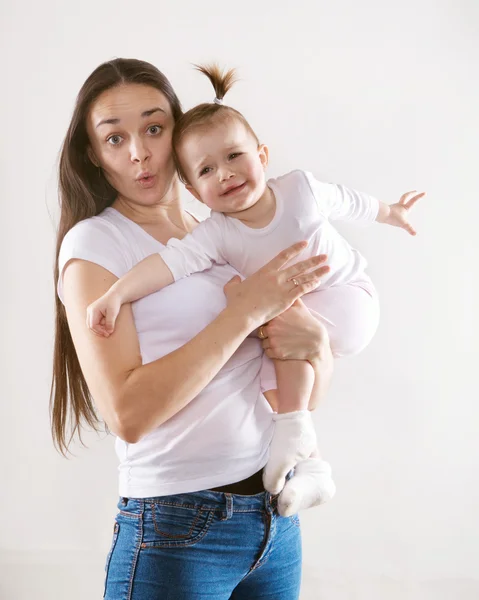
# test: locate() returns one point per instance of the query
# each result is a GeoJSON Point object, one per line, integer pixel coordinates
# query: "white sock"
{"type": "Point", "coordinates": [294, 439]}
{"type": "Point", "coordinates": [310, 486]}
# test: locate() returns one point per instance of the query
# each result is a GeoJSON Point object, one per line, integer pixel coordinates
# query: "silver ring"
{"type": "Point", "coordinates": [295, 281]}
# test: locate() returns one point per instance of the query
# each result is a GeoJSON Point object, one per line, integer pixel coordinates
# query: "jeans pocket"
{"type": "Point", "coordinates": [116, 530]}
{"type": "Point", "coordinates": [175, 525]}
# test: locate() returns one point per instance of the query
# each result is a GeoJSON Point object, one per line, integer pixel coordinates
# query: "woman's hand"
{"type": "Point", "coordinates": [273, 289]}
{"type": "Point", "coordinates": [296, 334]}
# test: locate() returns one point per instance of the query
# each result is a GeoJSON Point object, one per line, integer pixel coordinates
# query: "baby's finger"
{"type": "Point", "coordinates": [404, 196]}
{"type": "Point", "coordinates": [96, 328]}
{"type": "Point", "coordinates": [410, 203]}
{"type": "Point", "coordinates": [409, 229]}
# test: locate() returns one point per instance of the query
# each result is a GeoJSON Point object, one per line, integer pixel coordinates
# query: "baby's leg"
{"type": "Point", "coordinates": [350, 313]}
{"type": "Point", "coordinates": [294, 436]}
{"type": "Point", "coordinates": [294, 383]}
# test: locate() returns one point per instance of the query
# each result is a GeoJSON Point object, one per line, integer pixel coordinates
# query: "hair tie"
{"type": "Point", "coordinates": [218, 100]}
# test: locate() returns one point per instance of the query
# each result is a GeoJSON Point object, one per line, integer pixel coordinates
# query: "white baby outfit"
{"type": "Point", "coordinates": [346, 300]}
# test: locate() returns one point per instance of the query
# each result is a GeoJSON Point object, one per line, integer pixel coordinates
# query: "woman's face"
{"type": "Point", "coordinates": [130, 128]}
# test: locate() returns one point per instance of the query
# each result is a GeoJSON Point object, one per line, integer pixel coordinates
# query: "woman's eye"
{"type": "Point", "coordinates": [114, 140]}
{"type": "Point", "coordinates": [154, 129]}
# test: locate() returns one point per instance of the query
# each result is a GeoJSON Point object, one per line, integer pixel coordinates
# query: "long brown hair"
{"type": "Point", "coordinates": [84, 192]}
{"type": "Point", "coordinates": [208, 112]}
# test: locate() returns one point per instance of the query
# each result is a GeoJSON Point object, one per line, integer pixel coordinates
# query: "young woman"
{"type": "Point", "coordinates": [178, 381]}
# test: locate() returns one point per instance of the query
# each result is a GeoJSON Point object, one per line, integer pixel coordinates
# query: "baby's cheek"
{"type": "Point", "coordinates": [258, 172]}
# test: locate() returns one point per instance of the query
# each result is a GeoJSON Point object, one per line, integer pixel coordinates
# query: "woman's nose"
{"type": "Point", "coordinates": [139, 151]}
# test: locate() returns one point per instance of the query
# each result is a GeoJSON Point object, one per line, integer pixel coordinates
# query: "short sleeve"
{"type": "Point", "coordinates": [98, 241]}
{"type": "Point", "coordinates": [339, 203]}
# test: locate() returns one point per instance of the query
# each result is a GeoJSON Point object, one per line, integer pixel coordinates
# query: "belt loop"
{"type": "Point", "coordinates": [229, 506]}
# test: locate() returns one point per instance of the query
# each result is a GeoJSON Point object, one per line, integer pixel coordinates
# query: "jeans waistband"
{"type": "Point", "coordinates": [219, 502]}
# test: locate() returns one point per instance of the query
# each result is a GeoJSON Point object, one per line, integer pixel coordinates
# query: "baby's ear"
{"type": "Point", "coordinates": [263, 153]}
{"type": "Point", "coordinates": [192, 191]}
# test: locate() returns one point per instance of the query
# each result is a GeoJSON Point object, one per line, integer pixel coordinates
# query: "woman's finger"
{"type": "Point", "coordinates": [232, 282]}
{"type": "Point", "coordinates": [286, 255]}
{"type": "Point", "coordinates": [310, 281]}
{"type": "Point", "coordinates": [310, 276]}
{"type": "Point", "coordinates": [304, 265]}
{"type": "Point", "coordinates": [302, 286]}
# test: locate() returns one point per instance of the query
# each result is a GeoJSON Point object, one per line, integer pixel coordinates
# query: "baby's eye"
{"type": "Point", "coordinates": [114, 140]}
{"type": "Point", "coordinates": [205, 170]}
{"type": "Point", "coordinates": [234, 155]}
{"type": "Point", "coordinates": [154, 129]}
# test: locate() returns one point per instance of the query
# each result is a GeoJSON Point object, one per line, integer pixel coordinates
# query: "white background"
{"type": "Point", "coordinates": [381, 96]}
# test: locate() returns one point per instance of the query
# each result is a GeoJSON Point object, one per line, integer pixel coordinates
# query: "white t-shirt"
{"type": "Point", "coordinates": [304, 209]}
{"type": "Point", "coordinates": [223, 435]}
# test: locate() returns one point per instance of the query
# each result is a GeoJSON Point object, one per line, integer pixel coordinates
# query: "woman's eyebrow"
{"type": "Point", "coordinates": [145, 113]}
{"type": "Point", "coordinates": [149, 112]}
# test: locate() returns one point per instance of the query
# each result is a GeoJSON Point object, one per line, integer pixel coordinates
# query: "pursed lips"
{"type": "Point", "coordinates": [144, 175]}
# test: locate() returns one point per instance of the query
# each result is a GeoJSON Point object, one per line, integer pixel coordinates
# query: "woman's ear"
{"type": "Point", "coordinates": [192, 191]}
{"type": "Point", "coordinates": [92, 157]}
{"type": "Point", "coordinates": [263, 153]}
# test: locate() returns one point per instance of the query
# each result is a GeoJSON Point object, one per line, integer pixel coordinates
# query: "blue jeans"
{"type": "Point", "coordinates": [203, 545]}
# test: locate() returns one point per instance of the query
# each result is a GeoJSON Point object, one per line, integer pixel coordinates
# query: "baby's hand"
{"type": "Point", "coordinates": [399, 212]}
{"type": "Point", "coordinates": [102, 314]}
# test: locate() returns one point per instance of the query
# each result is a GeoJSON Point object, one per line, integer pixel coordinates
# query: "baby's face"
{"type": "Point", "coordinates": [224, 166]}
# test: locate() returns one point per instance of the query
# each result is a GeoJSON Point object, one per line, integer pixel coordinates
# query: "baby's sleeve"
{"type": "Point", "coordinates": [96, 241]}
{"type": "Point", "coordinates": [339, 203]}
{"type": "Point", "coordinates": [197, 251]}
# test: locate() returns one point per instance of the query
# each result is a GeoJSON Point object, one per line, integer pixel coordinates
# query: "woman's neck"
{"type": "Point", "coordinates": [163, 219]}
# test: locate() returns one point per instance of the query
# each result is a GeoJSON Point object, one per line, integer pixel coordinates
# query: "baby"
{"type": "Point", "coordinates": [222, 163]}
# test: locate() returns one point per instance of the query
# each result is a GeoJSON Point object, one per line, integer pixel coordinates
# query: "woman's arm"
{"type": "Point", "coordinates": [132, 398]}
